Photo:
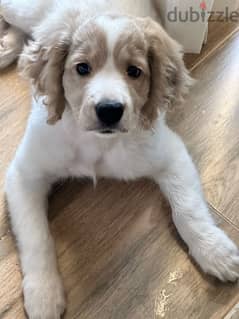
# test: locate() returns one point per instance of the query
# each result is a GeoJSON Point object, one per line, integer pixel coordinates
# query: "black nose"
{"type": "Point", "coordinates": [109, 112]}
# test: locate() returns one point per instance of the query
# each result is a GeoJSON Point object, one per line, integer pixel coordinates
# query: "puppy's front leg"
{"type": "Point", "coordinates": [179, 181]}
{"type": "Point", "coordinates": [42, 286]}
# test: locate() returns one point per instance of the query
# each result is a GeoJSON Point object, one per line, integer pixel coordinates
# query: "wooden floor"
{"type": "Point", "coordinates": [119, 253]}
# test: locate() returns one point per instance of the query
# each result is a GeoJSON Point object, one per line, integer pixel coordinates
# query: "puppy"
{"type": "Point", "coordinates": [102, 81]}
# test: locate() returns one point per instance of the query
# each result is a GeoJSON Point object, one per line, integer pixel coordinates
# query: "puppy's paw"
{"type": "Point", "coordinates": [11, 43]}
{"type": "Point", "coordinates": [44, 296]}
{"type": "Point", "coordinates": [217, 255]}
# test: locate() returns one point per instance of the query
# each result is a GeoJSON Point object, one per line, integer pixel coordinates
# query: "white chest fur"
{"type": "Point", "coordinates": [109, 157]}
{"type": "Point", "coordinates": [123, 156]}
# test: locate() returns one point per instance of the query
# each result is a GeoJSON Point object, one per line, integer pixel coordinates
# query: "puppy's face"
{"type": "Point", "coordinates": [114, 73]}
{"type": "Point", "coordinates": [107, 75]}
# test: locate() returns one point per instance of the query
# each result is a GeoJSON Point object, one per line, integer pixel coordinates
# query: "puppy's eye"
{"type": "Point", "coordinates": [134, 71]}
{"type": "Point", "coordinates": [83, 69]}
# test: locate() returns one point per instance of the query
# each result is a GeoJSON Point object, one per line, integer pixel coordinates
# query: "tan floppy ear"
{"type": "Point", "coordinates": [170, 79]}
{"type": "Point", "coordinates": [44, 67]}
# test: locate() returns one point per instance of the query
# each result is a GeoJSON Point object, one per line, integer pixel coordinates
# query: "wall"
{"type": "Point", "coordinates": [190, 34]}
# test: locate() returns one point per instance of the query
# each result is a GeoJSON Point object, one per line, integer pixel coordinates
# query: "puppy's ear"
{"type": "Point", "coordinates": [170, 79]}
{"type": "Point", "coordinates": [44, 66]}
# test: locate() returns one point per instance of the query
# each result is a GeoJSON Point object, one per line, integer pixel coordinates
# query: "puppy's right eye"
{"type": "Point", "coordinates": [134, 72]}
{"type": "Point", "coordinates": [83, 69]}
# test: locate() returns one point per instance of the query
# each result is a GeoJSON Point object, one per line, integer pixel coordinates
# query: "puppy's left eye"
{"type": "Point", "coordinates": [83, 69]}
{"type": "Point", "coordinates": [133, 71]}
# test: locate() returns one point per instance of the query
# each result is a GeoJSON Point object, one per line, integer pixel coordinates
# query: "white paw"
{"type": "Point", "coordinates": [44, 296]}
{"type": "Point", "coordinates": [217, 255]}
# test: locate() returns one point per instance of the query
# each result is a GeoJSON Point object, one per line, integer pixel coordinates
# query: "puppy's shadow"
{"type": "Point", "coordinates": [9, 69]}
{"type": "Point", "coordinates": [107, 212]}
{"type": "Point", "coordinates": [105, 232]}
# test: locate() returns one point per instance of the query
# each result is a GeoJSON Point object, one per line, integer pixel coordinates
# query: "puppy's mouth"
{"type": "Point", "coordinates": [108, 131]}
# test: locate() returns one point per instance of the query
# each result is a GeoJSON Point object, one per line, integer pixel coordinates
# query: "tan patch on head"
{"type": "Point", "coordinates": [45, 65]}
{"type": "Point", "coordinates": [90, 46]}
{"type": "Point", "coordinates": [169, 79]}
{"type": "Point", "coordinates": [131, 50]}
{"type": "Point", "coordinates": [164, 79]}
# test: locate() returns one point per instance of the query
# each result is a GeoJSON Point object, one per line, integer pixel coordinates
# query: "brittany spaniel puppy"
{"type": "Point", "coordinates": [102, 78]}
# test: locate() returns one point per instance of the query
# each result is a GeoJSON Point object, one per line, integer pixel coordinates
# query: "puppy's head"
{"type": "Point", "coordinates": [114, 73]}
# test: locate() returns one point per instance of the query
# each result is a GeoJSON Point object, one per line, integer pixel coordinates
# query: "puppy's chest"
{"type": "Point", "coordinates": [106, 160]}
{"type": "Point", "coordinates": [84, 160]}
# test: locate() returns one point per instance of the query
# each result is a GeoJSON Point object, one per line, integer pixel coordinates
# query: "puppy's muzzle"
{"type": "Point", "coordinates": [109, 113]}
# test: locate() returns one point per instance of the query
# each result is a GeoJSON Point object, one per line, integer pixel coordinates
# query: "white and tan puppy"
{"type": "Point", "coordinates": [102, 80]}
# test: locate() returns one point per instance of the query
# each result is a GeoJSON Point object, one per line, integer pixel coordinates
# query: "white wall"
{"type": "Point", "coordinates": [190, 34]}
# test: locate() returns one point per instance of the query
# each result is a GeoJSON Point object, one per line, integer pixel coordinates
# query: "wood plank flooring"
{"type": "Point", "coordinates": [119, 253]}
{"type": "Point", "coordinates": [218, 34]}
{"type": "Point", "coordinates": [214, 106]}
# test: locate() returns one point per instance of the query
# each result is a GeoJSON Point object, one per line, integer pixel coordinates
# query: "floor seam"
{"type": "Point", "coordinates": [214, 49]}
{"type": "Point", "coordinates": [221, 215]}
{"type": "Point", "coordinates": [230, 312]}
